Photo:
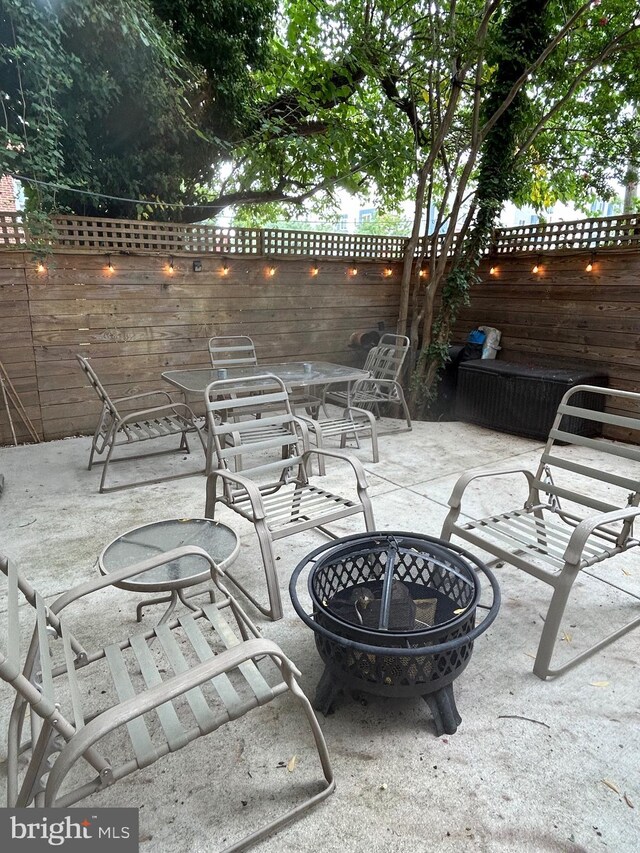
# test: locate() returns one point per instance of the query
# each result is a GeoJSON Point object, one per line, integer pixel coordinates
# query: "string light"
{"type": "Point", "coordinates": [315, 269]}
{"type": "Point", "coordinates": [423, 273]}
{"type": "Point", "coordinates": [225, 268]}
{"type": "Point", "coordinates": [170, 265]}
{"type": "Point", "coordinates": [271, 271]}
{"type": "Point", "coordinates": [537, 266]}
{"type": "Point", "coordinates": [589, 266]}
{"type": "Point", "coordinates": [387, 272]}
{"type": "Point", "coordinates": [109, 264]}
{"type": "Point", "coordinates": [493, 270]}
{"type": "Point", "coordinates": [41, 267]}
{"type": "Point", "coordinates": [353, 269]}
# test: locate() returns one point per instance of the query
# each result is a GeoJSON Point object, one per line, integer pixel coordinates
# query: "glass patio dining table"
{"type": "Point", "coordinates": [294, 374]}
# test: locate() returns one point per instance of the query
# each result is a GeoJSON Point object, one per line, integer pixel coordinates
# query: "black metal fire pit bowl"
{"type": "Point", "coordinates": [394, 614]}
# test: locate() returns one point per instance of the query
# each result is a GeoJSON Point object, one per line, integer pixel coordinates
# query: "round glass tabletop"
{"type": "Point", "coordinates": [149, 540]}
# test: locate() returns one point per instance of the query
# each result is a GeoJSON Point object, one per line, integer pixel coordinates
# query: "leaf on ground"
{"type": "Point", "coordinates": [566, 637]}
{"type": "Point", "coordinates": [625, 572]}
{"type": "Point", "coordinates": [611, 785]}
{"type": "Point", "coordinates": [599, 683]}
{"type": "Point", "coordinates": [627, 800]}
{"type": "Point", "coordinates": [529, 655]}
{"type": "Point", "coordinates": [291, 766]}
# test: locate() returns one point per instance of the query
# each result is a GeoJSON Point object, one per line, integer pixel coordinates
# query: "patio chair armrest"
{"type": "Point", "coordinates": [356, 464]}
{"type": "Point", "coordinates": [248, 485]}
{"type": "Point", "coordinates": [174, 687]}
{"type": "Point", "coordinates": [155, 411]}
{"type": "Point", "coordinates": [300, 422]}
{"type": "Point", "coordinates": [111, 578]}
{"type": "Point", "coordinates": [573, 551]}
{"type": "Point", "coordinates": [362, 413]}
{"type": "Point", "coordinates": [466, 478]}
{"type": "Point", "coordinates": [141, 395]}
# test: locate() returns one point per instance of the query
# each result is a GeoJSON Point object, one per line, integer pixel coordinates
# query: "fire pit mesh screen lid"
{"type": "Point", "coordinates": [394, 584]}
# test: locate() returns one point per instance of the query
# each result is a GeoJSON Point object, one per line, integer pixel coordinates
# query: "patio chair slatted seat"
{"type": "Point", "coordinates": [384, 363]}
{"type": "Point", "coordinates": [192, 675]}
{"type": "Point", "coordinates": [354, 423]}
{"type": "Point", "coordinates": [118, 430]}
{"type": "Point", "coordinates": [275, 495]}
{"type": "Point", "coordinates": [575, 515]}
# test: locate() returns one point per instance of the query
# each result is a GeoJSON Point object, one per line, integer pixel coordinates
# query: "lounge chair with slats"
{"type": "Point", "coordinates": [273, 490]}
{"type": "Point", "coordinates": [579, 509]}
{"type": "Point", "coordinates": [94, 716]}
{"type": "Point", "coordinates": [125, 430]}
{"type": "Point", "coordinates": [382, 387]}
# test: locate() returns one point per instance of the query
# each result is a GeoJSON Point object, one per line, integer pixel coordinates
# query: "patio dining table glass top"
{"type": "Point", "coordinates": [294, 374]}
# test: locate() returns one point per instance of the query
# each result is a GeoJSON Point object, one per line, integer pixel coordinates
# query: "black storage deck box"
{"type": "Point", "coordinates": [522, 398]}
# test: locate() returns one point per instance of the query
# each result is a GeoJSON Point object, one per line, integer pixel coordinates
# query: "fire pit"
{"type": "Point", "coordinates": [394, 614]}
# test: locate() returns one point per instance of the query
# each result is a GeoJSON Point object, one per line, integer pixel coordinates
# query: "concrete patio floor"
{"type": "Point", "coordinates": [534, 766]}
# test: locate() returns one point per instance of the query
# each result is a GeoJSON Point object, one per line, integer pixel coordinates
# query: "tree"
{"type": "Point", "coordinates": [129, 100]}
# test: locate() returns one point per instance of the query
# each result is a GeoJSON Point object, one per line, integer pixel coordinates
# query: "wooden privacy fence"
{"type": "Point", "coordinates": [143, 316]}
{"type": "Point", "coordinates": [140, 298]}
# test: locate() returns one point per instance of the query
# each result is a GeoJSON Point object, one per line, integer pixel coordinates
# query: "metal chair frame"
{"type": "Point", "coordinates": [561, 531]}
{"type": "Point", "coordinates": [232, 351]}
{"type": "Point", "coordinates": [275, 495]}
{"type": "Point", "coordinates": [384, 364]}
{"type": "Point", "coordinates": [160, 690]}
{"type": "Point", "coordinates": [117, 430]}
{"type": "Point", "coordinates": [355, 422]}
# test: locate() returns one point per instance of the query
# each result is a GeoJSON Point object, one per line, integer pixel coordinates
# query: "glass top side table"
{"type": "Point", "coordinates": [219, 540]}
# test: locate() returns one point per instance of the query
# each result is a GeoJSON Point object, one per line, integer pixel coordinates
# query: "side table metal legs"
{"type": "Point", "coordinates": [172, 598]}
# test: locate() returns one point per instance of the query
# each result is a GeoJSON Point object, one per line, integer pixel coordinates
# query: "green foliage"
{"type": "Point", "coordinates": [107, 97]}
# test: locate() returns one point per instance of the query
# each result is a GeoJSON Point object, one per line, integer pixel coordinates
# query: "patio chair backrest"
{"type": "Point", "coordinates": [611, 478]}
{"type": "Point", "coordinates": [32, 674]}
{"type": "Point", "coordinates": [97, 386]}
{"type": "Point", "coordinates": [246, 417]}
{"type": "Point", "coordinates": [232, 351]}
{"type": "Point", "coordinates": [385, 360]}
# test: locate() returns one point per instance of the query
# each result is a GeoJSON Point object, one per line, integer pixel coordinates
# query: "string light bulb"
{"type": "Point", "coordinates": [493, 270]}
{"type": "Point", "coordinates": [271, 271]}
{"type": "Point", "coordinates": [170, 265]}
{"type": "Point", "coordinates": [315, 269]}
{"type": "Point", "coordinates": [423, 272]}
{"type": "Point", "coordinates": [589, 266]}
{"type": "Point", "coordinates": [225, 268]}
{"type": "Point", "coordinates": [353, 269]}
{"type": "Point", "coordinates": [536, 267]}
{"type": "Point", "coordinates": [387, 272]}
{"type": "Point", "coordinates": [109, 264]}
{"type": "Point", "coordinates": [41, 267]}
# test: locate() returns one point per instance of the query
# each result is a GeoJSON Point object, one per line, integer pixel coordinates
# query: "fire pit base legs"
{"type": "Point", "coordinates": [442, 705]}
{"type": "Point", "coordinates": [326, 692]}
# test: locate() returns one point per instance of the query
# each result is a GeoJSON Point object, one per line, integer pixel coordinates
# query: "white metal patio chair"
{"type": "Point", "coordinates": [353, 424]}
{"type": "Point", "coordinates": [578, 510]}
{"type": "Point", "coordinates": [384, 363]}
{"type": "Point", "coordinates": [273, 491]}
{"type": "Point", "coordinates": [158, 692]}
{"type": "Point", "coordinates": [117, 430]}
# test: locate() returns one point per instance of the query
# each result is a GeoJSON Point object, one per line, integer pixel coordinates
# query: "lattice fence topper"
{"type": "Point", "coordinates": [121, 235]}
{"type": "Point", "coordinates": [12, 232]}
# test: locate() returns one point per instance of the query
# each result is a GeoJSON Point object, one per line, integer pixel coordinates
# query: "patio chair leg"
{"type": "Point", "coordinates": [105, 466]}
{"type": "Point", "coordinates": [271, 574]}
{"type": "Point", "coordinates": [548, 639]}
